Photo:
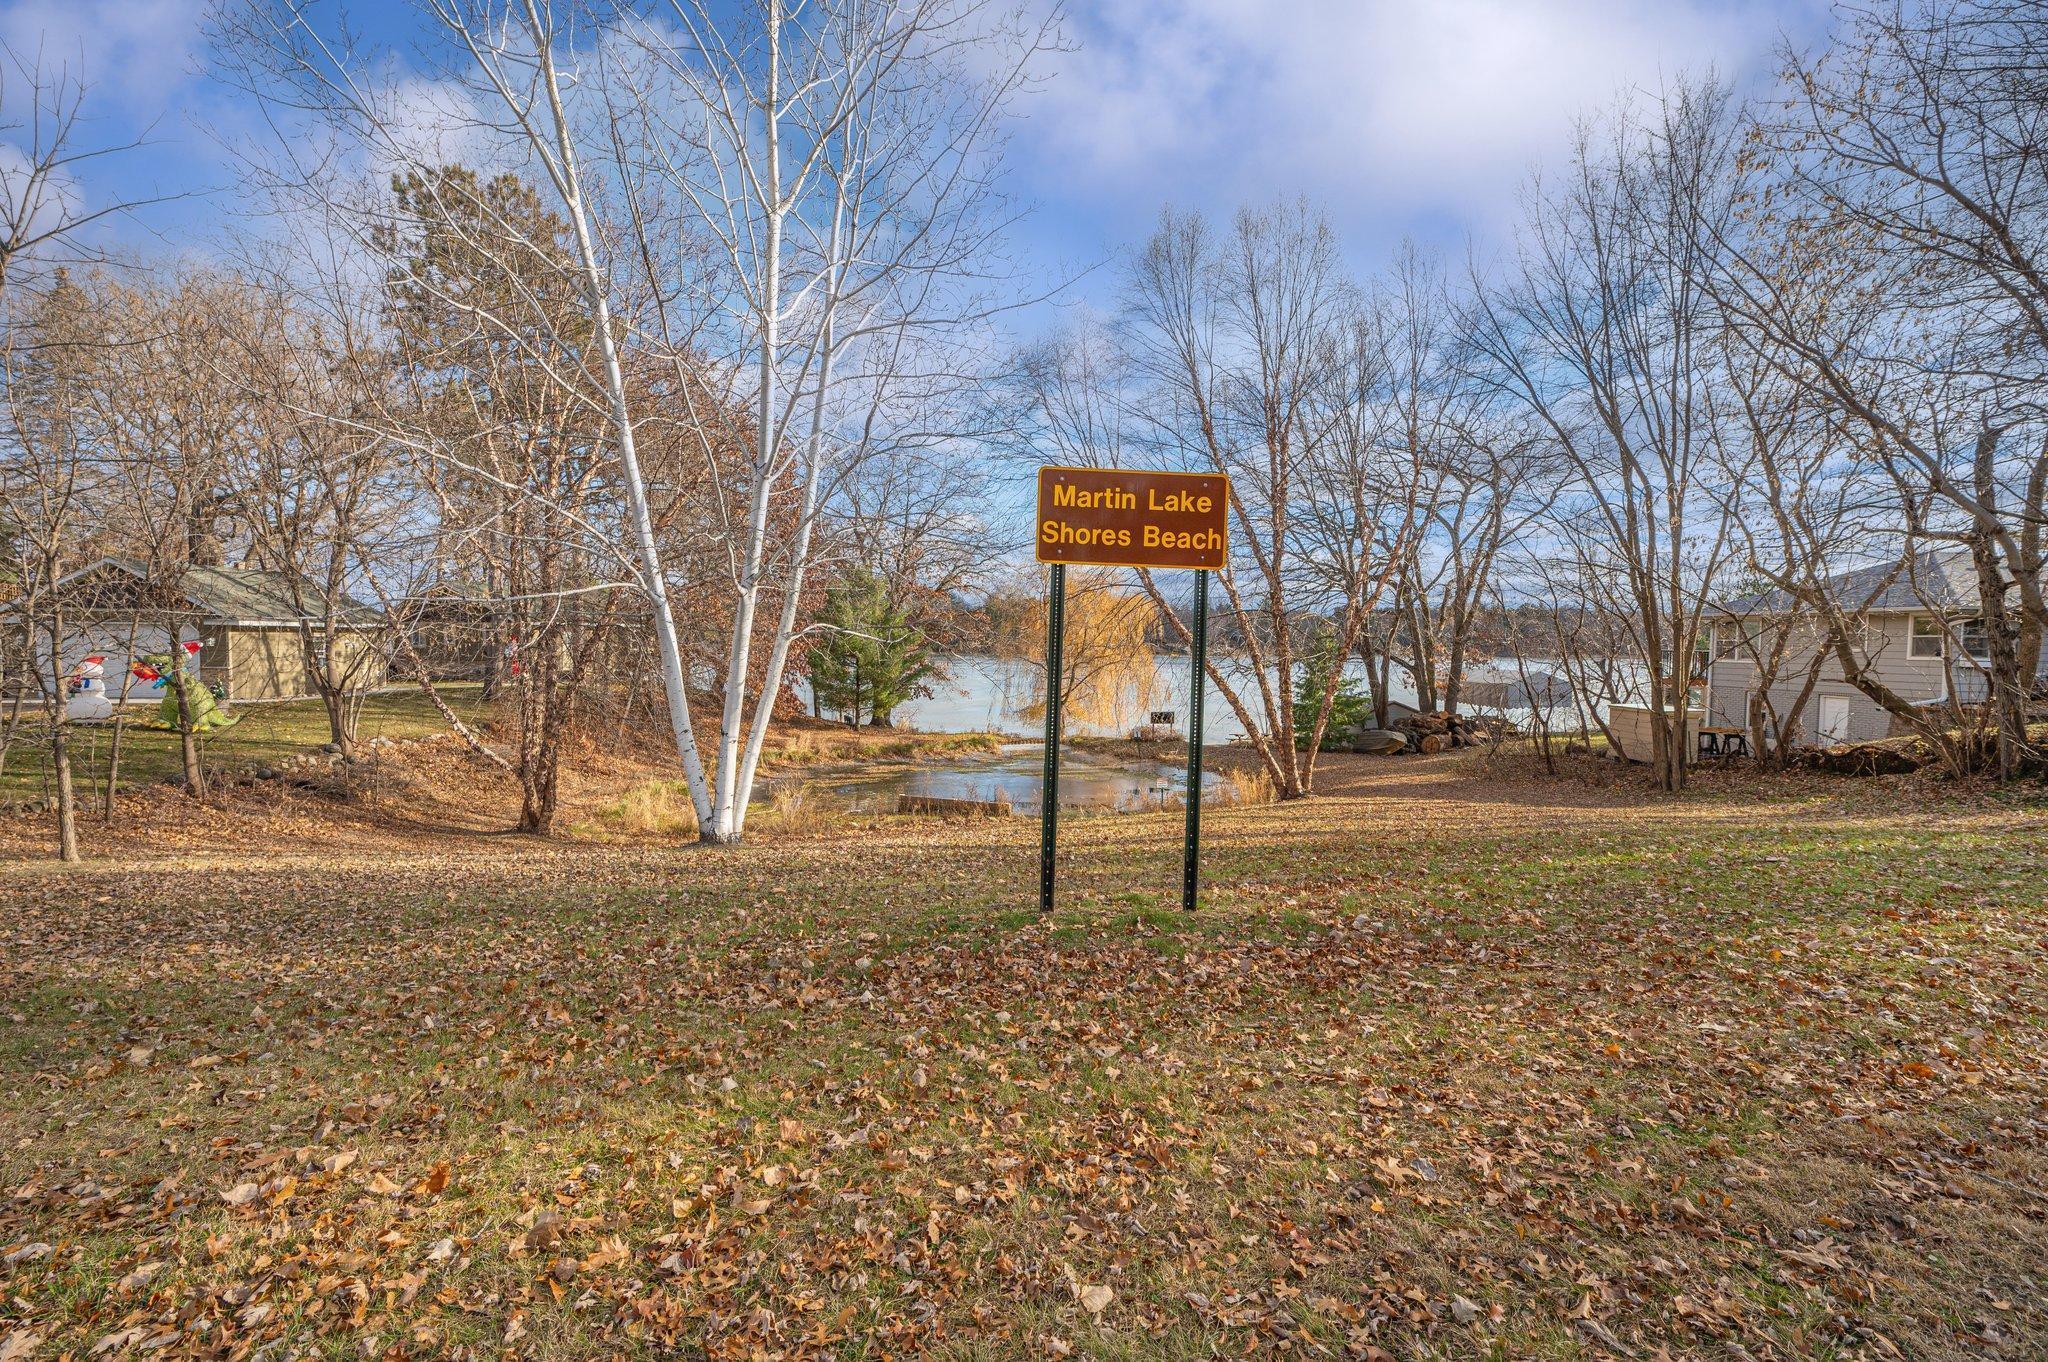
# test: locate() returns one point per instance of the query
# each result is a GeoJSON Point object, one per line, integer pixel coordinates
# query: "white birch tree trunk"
{"type": "Point", "coordinates": [729, 813]}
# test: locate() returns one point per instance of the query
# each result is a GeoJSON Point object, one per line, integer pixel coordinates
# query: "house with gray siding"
{"type": "Point", "coordinates": [1920, 637]}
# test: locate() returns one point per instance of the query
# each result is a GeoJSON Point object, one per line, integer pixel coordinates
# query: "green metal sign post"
{"type": "Point", "coordinates": [1049, 797]}
{"type": "Point", "coordinates": [1198, 682]}
{"type": "Point", "coordinates": [1115, 517]}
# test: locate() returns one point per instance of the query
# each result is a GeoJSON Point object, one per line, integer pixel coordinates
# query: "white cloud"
{"type": "Point", "coordinates": [425, 122]}
{"type": "Point", "coordinates": [132, 54]}
{"type": "Point", "coordinates": [45, 200]}
{"type": "Point", "coordinates": [1411, 108]}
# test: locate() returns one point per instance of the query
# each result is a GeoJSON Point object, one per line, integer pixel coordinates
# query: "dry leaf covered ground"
{"type": "Point", "coordinates": [1455, 1063]}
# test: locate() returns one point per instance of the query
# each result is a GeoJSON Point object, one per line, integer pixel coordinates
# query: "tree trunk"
{"type": "Point", "coordinates": [1379, 669]}
{"type": "Point", "coordinates": [799, 558]}
{"type": "Point", "coordinates": [114, 762]}
{"type": "Point", "coordinates": [1454, 669]}
{"type": "Point", "coordinates": [1424, 667]}
{"type": "Point", "coordinates": [536, 816]}
{"type": "Point", "coordinates": [341, 727]}
{"type": "Point", "coordinates": [675, 682]}
{"type": "Point", "coordinates": [539, 787]}
{"type": "Point", "coordinates": [7, 730]}
{"type": "Point", "coordinates": [120, 723]}
{"type": "Point", "coordinates": [188, 741]}
{"type": "Point", "coordinates": [2008, 686]}
{"type": "Point", "coordinates": [2006, 694]}
{"type": "Point", "coordinates": [1667, 740]}
{"type": "Point", "coordinates": [67, 804]}
{"type": "Point", "coordinates": [494, 654]}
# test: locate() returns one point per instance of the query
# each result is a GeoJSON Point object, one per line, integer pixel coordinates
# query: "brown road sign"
{"type": "Point", "coordinates": [1124, 518]}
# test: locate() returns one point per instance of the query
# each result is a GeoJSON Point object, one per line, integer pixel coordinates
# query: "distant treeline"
{"type": "Point", "coordinates": [1009, 623]}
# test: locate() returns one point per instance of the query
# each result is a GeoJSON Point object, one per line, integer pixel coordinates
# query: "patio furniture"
{"type": "Point", "coordinates": [1723, 742]}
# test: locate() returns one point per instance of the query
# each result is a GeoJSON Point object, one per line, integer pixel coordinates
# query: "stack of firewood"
{"type": "Point", "coordinates": [1436, 732]}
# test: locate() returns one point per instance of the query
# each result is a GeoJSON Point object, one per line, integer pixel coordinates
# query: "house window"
{"type": "Point", "coordinates": [1928, 639]}
{"type": "Point", "coordinates": [1976, 640]}
{"type": "Point", "coordinates": [1737, 640]}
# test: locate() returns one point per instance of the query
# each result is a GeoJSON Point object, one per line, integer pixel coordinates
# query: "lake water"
{"type": "Point", "coordinates": [1087, 781]}
{"type": "Point", "coordinates": [985, 694]}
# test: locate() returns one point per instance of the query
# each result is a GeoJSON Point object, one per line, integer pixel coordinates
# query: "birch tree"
{"type": "Point", "coordinates": [831, 168]}
{"type": "Point", "coordinates": [789, 204]}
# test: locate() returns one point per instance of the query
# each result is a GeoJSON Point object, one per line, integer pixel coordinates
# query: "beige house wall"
{"type": "Point", "coordinates": [270, 664]}
{"type": "Point", "coordinates": [1885, 646]}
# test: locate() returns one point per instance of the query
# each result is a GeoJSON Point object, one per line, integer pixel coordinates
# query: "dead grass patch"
{"type": "Point", "coordinates": [650, 808]}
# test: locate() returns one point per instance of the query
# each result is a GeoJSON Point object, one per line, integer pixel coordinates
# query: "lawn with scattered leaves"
{"type": "Point", "coordinates": [262, 735]}
{"type": "Point", "coordinates": [1455, 1062]}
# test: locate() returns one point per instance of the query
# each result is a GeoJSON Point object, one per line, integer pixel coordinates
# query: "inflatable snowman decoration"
{"type": "Point", "coordinates": [89, 699]}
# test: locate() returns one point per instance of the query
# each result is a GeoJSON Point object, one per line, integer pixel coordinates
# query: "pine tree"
{"type": "Point", "coordinates": [1350, 708]}
{"type": "Point", "coordinates": [872, 658]}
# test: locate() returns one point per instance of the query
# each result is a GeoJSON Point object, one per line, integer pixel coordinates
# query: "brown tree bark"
{"type": "Point", "coordinates": [67, 803]}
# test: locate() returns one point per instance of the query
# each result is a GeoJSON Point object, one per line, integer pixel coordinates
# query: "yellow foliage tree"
{"type": "Point", "coordinates": [1107, 661]}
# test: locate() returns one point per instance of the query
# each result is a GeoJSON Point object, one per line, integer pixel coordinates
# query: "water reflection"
{"type": "Point", "coordinates": [1014, 778]}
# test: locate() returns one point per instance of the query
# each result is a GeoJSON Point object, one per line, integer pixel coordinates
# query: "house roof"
{"type": "Point", "coordinates": [1501, 686]}
{"type": "Point", "coordinates": [246, 596]}
{"type": "Point", "coordinates": [1934, 579]}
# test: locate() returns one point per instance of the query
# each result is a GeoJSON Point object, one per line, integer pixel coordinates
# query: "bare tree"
{"type": "Point", "coordinates": [44, 215]}
{"type": "Point", "coordinates": [832, 168]}
{"type": "Point", "coordinates": [1360, 502]}
{"type": "Point", "coordinates": [165, 416]}
{"type": "Point", "coordinates": [1230, 340]}
{"type": "Point", "coordinates": [1586, 633]}
{"type": "Point", "coordinates": [45, 468]}
{"type": "Point", "coordinates": [510, 432]}
{"type": "Point", "coordinates": [917, 519]}
{"type": "Point", "coordinates": [316, 497]}
{"type": "Point", "coordinates": [49, 480]}
{"type": "Point", "coordinates": [1801, 502]}
{"type": "Point", "coordinates": [1603, 335]}
{"type": "Point", "coordinates": [1481, 479]}
{"type": "Point", "coordinates": [1911, 192]}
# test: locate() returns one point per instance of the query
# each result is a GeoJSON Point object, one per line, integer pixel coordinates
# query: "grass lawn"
{"type": "Point", "coordinates": [265, 733]}
{"type": "Point", "coordinates": [1454, 1063]}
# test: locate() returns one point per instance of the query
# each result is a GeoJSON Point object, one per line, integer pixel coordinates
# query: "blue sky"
{"type": "Point", "coordinates": [1404, 118]}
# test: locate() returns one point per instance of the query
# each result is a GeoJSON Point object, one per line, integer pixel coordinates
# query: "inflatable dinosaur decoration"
{"type": "Point", "coordinates": [178, 674]}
